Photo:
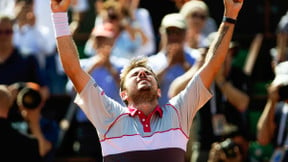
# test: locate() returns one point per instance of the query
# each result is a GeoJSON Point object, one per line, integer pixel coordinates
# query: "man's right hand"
{"type": "Point", "coordinates": [232, 8]}
{"type": "Point", "coordinates": [59, 5]}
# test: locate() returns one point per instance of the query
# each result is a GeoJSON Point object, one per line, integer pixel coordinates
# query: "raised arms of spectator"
{"type": "Point", "coordinates": [235, 96]}
{"type": "Point", "coordinates": [266, 125]}
{"type": "Point", "coordinates": [32, 116]}
{"type": "Point", "coordinates": [180, 82]}
{"type": "Point", "coordinates": [218, 50]}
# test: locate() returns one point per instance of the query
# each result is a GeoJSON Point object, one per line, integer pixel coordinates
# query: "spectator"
{"type": "Point", "coordinates": [175, 60]}
{"type": "Point", "coordinates": [15, 66]}
{"type": "Point", "coordinates": [225, 151]}
{"type": "Point", "coordinates": [210, 25]}
{"type": "Point", "coordinates": [29, 101]}
{"type": "Point", "coordinates": [28, 37]}
{"type": "Point", "coordinates": [272, 127]}
{"type": "Point", "coordinates": [141, 20]}
{"type": "Point", "coordinates": [196, 14]}
{"type": "Point", "coordinates": [15, 146]}
{"type": "Point", "coordinates": [127, 39]}
{"type": "Point", "coordinates": [280, 53]}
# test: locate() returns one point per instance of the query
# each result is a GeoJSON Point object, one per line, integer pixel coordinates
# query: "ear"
{"type": "Point", "coordinates": [159, 92]}
{"type": "Point", "coordinates": [124, 95]}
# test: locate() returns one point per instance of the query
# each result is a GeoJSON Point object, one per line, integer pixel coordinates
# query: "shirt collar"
{"type": "Point", "coordinates": [133, 111]}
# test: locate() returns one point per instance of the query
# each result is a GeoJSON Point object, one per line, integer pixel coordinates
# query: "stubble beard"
{"type": "Point", "coordinates": [144, 95]}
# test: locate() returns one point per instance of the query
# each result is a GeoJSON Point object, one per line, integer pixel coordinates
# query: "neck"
{"type": "Point", "coordinates": [146, 108]}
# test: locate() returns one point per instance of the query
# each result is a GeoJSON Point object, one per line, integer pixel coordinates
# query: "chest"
{"type": "Point", "coordinates": [127, 125]}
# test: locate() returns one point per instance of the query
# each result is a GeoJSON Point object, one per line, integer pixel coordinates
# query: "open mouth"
{"type": "Point", "coordinates": [142, 79]}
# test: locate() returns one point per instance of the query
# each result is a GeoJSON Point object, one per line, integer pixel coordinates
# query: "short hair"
{"type": "Point", "coordinates": [134, 63]}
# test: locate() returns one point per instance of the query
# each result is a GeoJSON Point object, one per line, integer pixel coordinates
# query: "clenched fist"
{"type": "Point", "coordinates": [59, 5]}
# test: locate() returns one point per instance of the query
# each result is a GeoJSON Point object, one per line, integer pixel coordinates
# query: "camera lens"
{"type": "Point", "coordinates": [228, 147]}
{"type": "Point", "coordinates": [29, 98]}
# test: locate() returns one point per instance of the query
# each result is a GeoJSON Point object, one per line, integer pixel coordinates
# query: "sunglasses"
{"type": "Point", "coordinates": [170, 31]}
{"type": "Point", "coordinates": [198, 15]}
{"type": "Point", "coordinates": [6, 32]}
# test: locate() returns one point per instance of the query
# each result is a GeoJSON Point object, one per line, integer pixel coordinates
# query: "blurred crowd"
{"type": "Point", "coordinates": [246, 120]}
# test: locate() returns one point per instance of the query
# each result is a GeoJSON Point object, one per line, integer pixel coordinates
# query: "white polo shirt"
{"type": "Point", "coordinates": [125, 132]}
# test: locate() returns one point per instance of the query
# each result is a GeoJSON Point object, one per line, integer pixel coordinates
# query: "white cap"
{"type": "Point", "coordinates": [192, 6]}
{"type": "Point", "coordinates": [173, 20]}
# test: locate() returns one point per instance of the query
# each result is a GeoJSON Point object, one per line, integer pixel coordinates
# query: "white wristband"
{"type": "Point", "coordinates": [60, 23]}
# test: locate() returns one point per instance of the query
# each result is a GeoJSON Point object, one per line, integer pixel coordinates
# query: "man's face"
{"type": "Point", "coordinates": [196, 20]}
{"type": "Point", "coordinates": [175, 35]}
{"type": "Point", "coordinates": [140, 79]}
{"type": "Point", "coordinates": [141, 84]}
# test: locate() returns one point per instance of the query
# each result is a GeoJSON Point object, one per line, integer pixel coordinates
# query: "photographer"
{"type": "Point", "coordinates": [225, 151]}
{"type": "Point", "coordinates": [272, 127]}
{"type": "Point", "coordinates": [15, 146]}
{"type": "Point", "coordinates": [29, 101]}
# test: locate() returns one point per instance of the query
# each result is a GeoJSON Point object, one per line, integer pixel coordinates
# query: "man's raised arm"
{"type": "Point", "coordinates": [66, 46]}
{"type": "Point", "coordinates": [219, 48]}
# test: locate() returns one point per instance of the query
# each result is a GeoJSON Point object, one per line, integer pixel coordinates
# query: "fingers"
{"type": "Point", "coordinates": [232, 8]}
{"type": "Point", "coordinates": [59, 5]}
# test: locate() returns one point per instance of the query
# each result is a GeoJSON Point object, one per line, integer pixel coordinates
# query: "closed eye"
{"type": "Point", "coordinates": [137, 72]}
{"type": "Point", "coordinates": [148, 73]}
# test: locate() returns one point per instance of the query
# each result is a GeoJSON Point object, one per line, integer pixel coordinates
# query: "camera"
{"type": "Point", "coordinates": [228, 146]}
{"type": "Point", "coordinates": [28, 95]}
{"type": "Point", "coordinates": [283, 92]}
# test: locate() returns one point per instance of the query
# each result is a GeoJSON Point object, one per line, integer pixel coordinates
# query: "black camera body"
{"type": "Point", "coordinates": [283, 92]}
{"type": "Point", "coordinates": [228, 146]}
{"type": "Point", "coordinates": [28, 97]}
